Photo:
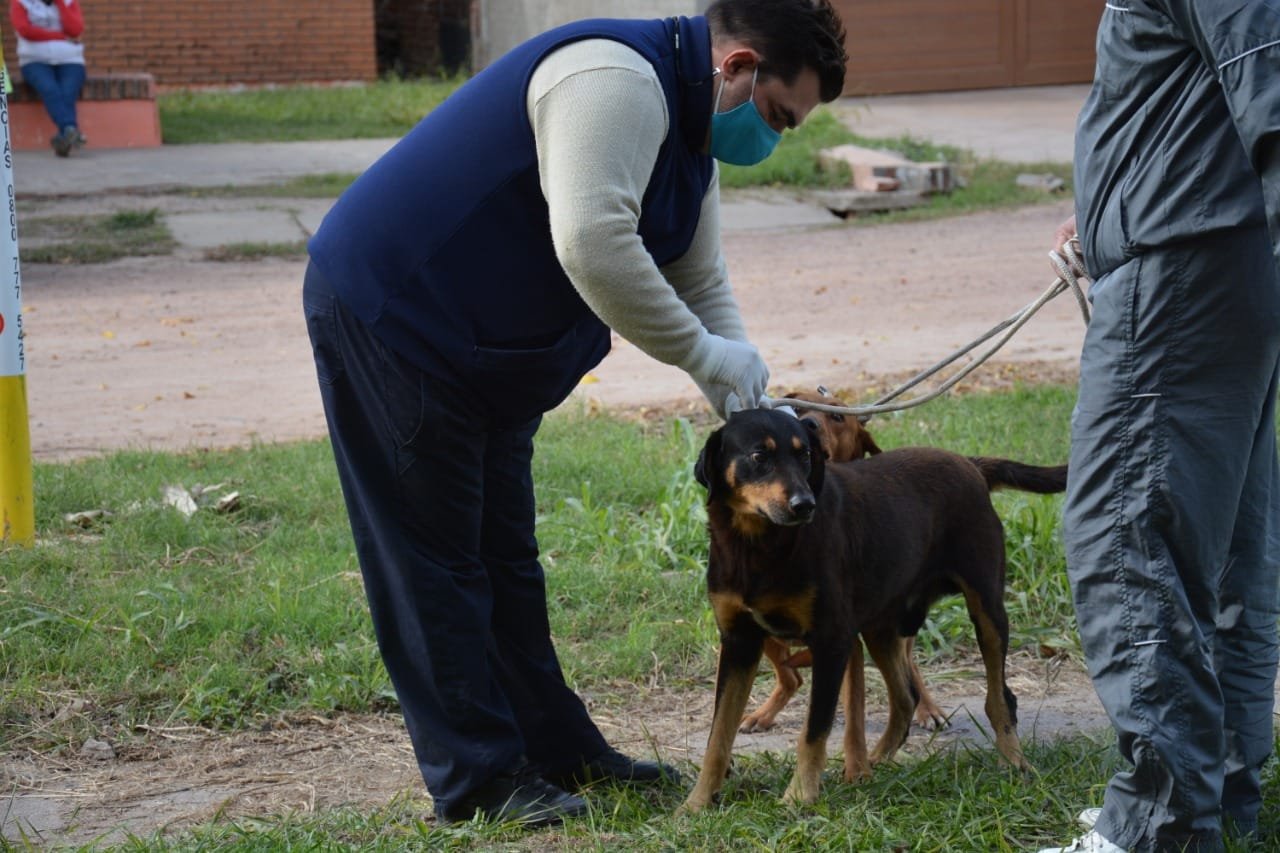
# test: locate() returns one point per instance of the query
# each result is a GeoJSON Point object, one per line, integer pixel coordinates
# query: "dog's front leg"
{"type": "Point", "coordinates": [856, 765]}
{"type": "Point", "coordinates": [829, 662]}
{"type": "Point", "coordinates": [740, 650]}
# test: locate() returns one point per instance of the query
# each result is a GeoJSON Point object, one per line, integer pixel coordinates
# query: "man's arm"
{"type": "Point", "coordinates": [598, 132]}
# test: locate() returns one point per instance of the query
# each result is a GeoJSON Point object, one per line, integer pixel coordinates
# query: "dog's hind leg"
{"type": "Point", "coordinates": [739, 658]}
{"type": "Point", "coordinates": [991, 624]}
{"type": "Point", "coordinates": [889, 651]}
{"type": "Point", "coordinates": [928, 713]}
{"type": "Point", "coordinates": [829, 663]}
{"type": "Point", "coordinates": [856, 765]}
{"type": "Point", "coordinates": [787, 683]}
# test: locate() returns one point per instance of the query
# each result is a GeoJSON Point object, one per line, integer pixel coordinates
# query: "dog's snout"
{"type": "Point", "coordinates": [802, 506]}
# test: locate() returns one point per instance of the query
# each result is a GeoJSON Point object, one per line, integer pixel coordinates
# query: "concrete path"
{"type": "Point", "coordinates": [1020, 125]}
{"type": "Point", "coordinates": [1024, 125]}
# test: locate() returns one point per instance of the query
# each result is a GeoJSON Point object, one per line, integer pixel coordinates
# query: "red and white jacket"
{"type": "Point", "coordinates": [45, 31]}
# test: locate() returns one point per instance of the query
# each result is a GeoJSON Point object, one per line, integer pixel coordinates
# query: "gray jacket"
{"type": "Point", "coordinates": [1182, 122]}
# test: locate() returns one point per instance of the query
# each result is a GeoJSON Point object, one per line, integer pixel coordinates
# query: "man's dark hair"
{"type": "Point", "coordinates": [790, 35]}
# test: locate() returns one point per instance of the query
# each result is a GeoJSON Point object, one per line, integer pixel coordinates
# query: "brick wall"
{"type": "Point", "coordinates": [226, 42]}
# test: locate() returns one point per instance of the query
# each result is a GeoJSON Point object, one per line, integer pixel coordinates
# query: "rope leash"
{"type": "Point", "coordinates": [1070, 270]}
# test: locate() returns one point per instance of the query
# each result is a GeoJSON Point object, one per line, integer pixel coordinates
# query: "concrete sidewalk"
{"type": "Point", "coordinates": [1025, 125]}
{"type": "Point", "coordinates": [1020, 125]}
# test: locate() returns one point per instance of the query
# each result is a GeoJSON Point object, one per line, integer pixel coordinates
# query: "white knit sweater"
{"type": "Point", "coordinates": [599, 117]}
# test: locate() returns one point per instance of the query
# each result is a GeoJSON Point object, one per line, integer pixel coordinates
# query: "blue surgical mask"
{"type": "Point", "coordinates": [741, 136]}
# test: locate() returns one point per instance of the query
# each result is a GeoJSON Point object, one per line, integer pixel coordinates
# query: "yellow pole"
{"type": "Point", "coordinates": [17, 508]}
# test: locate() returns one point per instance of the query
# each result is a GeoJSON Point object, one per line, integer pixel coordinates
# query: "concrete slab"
{"type": "Point", "coordinates": [755, 209]}
{"type": "Point", "coordinates": [1023, 125]}
{"type": "Point", "coordinates": [207, 230]}
{"type": "Point", "coordinates": [99, 170]}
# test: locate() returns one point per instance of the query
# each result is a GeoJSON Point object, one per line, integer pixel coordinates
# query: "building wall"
{"type": "Point", "coordinates": [226, 42]}
{"type": "Point", "coordinates": [499, 25]}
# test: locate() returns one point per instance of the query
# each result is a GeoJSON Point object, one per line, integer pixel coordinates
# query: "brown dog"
{"type": "Point", "coordinates": [823, 553]}
{"type": "Point", "coordinates": [844, 438]}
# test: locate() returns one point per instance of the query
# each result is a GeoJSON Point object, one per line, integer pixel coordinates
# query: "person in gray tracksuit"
{"type": "Point", "coordinates": [1170, 520]}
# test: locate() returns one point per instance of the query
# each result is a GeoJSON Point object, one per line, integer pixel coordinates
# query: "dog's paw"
{"type": "Point", "coordinates": [757, 722]}
{"type": "Point", "coordinates": [694, 804]}
{"type": "Point", "coordinates": [857, 773]}
{"type": "Point", "coordinates": [800, 792]}
{"type": "Point", "coordinates": [931, 717]}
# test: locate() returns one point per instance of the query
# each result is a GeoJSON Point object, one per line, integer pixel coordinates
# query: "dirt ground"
{"type": "Point", "coordinates": [176, 352]}
{"type": "Point", "coordinates": [170, 779]}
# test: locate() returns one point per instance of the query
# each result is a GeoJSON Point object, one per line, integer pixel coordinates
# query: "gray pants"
{"type": "Point", "coordinates": [1171, 529]}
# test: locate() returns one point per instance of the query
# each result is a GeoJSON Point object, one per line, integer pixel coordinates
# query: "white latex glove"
{"type": "Point", "coordinates": [768, 402]}
{"type": "Point", "coordinates": [733, 403]}
{"type": "Point", "coordinates": [736, 365]}
{"type": "Point", "coordinates": [717, 395]}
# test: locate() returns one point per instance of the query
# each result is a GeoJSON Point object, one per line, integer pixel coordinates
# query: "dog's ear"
{"type": "Point", "coordinates": [707, 469]}
{"type": "Point", "coordinates": [817, 464]}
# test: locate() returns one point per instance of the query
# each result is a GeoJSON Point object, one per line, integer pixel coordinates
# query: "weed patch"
{"type": "Point", "coordinates": [93, 239]}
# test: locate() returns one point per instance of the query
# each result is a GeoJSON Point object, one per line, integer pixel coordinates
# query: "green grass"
{"type": "Point", "coordinates": [326, 185]}
{"type": "Point", "coordinates": [387, 108]}
{"type": "Point", "coordinates": [233, 620]}
{"type": "Point", "coordinates": [93, 239]}
{"type": "Point", "coordinates": [795, 161]}
{"type": "Point", "coordinates": [254, 251]}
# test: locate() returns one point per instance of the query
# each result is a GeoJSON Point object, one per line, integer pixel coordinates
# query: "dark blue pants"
{"type": "Point", "coordinates": [442, 510]}
{"type": "Point", "coordinates": [59, 87]}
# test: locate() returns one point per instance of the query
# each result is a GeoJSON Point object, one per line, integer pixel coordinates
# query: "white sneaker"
{"type": "Point", "coordinates": [1088, 817]}
{"type": "Point", "coordinates": [1090, 843]}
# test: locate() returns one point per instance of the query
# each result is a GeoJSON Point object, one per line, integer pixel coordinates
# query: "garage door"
{"type": "Point", "coordinates": [937, 45]}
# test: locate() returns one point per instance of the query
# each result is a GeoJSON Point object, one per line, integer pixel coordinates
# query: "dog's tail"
{"type": "Point", "coordinates": [1041, 479]}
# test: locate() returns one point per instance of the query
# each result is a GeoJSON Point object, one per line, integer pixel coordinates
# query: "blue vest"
{"type": "Point", "coordinates": [443, 246]}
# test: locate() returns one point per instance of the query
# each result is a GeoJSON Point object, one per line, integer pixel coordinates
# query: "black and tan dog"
{"type": "Point", "coordinates": [844, 438]}
{"type": "Point", "coordinates": [822, 553]}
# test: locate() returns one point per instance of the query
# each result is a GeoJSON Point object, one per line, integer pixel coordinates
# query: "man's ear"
{"type": "Point", "coordinates": [817, 464]}
{"type": "Point", "coordinates": [707, 469]}
{"type": "Point", "coordinates": [740, 60]}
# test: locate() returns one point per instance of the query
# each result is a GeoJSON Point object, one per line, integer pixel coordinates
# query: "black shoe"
{"type": "Point", "coordinates": [61, 142]}
{"type": "Point", "coordinates": [521, 796]}
{"type": "Point", "coordinates": [613, 766]}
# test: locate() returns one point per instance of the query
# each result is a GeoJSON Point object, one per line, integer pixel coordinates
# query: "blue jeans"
{"type": "Point", "coordinates": [441, 507]}
{"type": "Point", "coordinates": [59, 87]}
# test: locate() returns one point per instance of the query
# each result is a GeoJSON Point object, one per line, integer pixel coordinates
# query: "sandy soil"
{"type": "Point", "coordinates": [178, 353]}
